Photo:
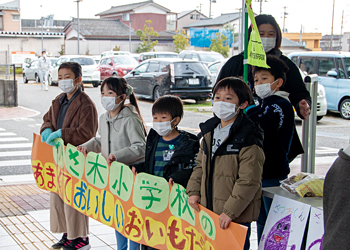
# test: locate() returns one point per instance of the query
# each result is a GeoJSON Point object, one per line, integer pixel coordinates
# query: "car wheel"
{"type": "Point", "coordinates": [319, 118]}
{"type": "Point", "coordinates": [345, 109]}
{"type": "Point", "coordinates": [25, 79]}
{"type": "Point", "coordinates": [37, 79]}
{"type": "Point", "coordinates": [95, 84]}
{"type": "Point", "coordinates": [50, 80]}
{"type": "Point", "coordinates": [157, 93]}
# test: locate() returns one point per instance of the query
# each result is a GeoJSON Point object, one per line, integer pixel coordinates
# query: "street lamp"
{"type": "Point", "coordinates": [210, 1]}
{"type": "Point", "coordinates": [78, 22]}
{"type": "Point", "coordinates": [42, 37]}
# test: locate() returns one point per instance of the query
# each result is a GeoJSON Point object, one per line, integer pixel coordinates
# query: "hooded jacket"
{"type": "Point", "coordinates": [230, 181]}
{"type": "Point", "coordinates": [123, 136]}
{"type": "Point", "coordinates": [179, 168]}
{"type": "Point", "coordinates": [80, 123]}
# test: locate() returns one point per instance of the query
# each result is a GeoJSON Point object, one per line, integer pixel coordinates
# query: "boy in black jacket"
{"type": "Point", "coordinates": [170, 153]}
{"type": "Point", "coordinates": [275, 115]}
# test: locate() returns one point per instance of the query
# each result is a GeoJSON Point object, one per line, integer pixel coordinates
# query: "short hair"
{"type": "Point", "coordinates": [278, 68]}
{"type": "Point", "coordinates": [168, 104]}
{"type": "Point", "coordinates": [73, 66]}
{"type": "Point", "coordinates": [268, 19]}
{"type": "Point", "coordinates": [238, 86]}
{"type": "Point", "coordinates": [43, 51]}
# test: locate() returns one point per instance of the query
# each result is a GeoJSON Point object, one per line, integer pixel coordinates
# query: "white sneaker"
{"type": "Point", "coordinates": [46, 88]}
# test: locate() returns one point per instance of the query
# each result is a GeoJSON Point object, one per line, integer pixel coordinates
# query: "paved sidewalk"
{"type": "Point", "coordinates": [25, 218]}
{"type": "Point", "coordinates": [16, 112]}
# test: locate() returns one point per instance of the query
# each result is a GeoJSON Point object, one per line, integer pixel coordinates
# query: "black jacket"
{"type": "Point", "coordinates": [179, 168]}
{"type": "Point", "coordinates": [294, 84]}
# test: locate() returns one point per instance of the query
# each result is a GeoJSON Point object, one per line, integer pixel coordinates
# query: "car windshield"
{"type": "Point", "coordinates": [211, 57]}
{"type": "Point", "coordinates": [167, 56]}
{"type": "Point", "coordinates": [347, 65]}
{"type": "Point", "coordinates": [53, 61]}
{"type": "Point", "coordinates": [187, 68]}
{"type": "Point", "coordinates": [124, 60]}
{"type": "Point", "coordinates": [83, 61]}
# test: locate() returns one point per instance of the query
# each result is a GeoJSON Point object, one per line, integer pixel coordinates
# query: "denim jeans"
{"type": "Point", "coordinates": [266, 204]}
{"type": "Point", "coordinates": [122, 242]}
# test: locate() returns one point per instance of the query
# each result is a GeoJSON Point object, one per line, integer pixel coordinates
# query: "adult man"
{"type": "Point", "coordinates": [44, 70]}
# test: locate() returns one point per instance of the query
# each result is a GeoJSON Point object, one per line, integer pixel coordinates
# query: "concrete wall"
{"type": "Point", "coordinates": [9, 24]}
{"type": "Point", "coordinates": [22, 43]}
{"type": "Point", "coordinates": [8, 93]}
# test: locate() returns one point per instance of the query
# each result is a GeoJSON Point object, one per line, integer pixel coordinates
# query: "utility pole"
{"type": "Point", "coordinates": [284, 19]}
{"type": "Point", "coordinates": [342, 21]}
{"type": "Point", "coordinates": [78, 24]}
{"type": "Point", "coordinates": [210, 1]}
{"type": "Point", "coordinates": [331, 47]}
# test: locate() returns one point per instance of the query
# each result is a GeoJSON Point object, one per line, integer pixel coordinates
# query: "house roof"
{"type": "Point", "coordinates": [186, 12]}
{"type": "Point", "coordinates": [289, 43]}
{"type": "Point", "coordinates": [220, 20]}
{"type": "Point", "coordinates": [13, 5]}
{"type": "Point", "coordinates": [129, 7]}
{"type": "Point", "coordinates": [107, 29]}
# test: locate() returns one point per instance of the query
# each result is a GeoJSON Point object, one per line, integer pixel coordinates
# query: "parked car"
{"type": "Point", "coordinates": [206, 57]}
{"type": "Point", "coordinates": [91, 71]}
{"type": "Point", "coordinates": [97, 59]}
{"type": "Point", "coordinates": [183, 78]}
{"type": "Point", "coordinates": [116, 66]}
{"type": "Point", "coordinates": [136, 56]}
{"type": "Point", "coordinates": [149, 55]}
{"type": "Point", "coordinates": [31, 71]}
{"type": "Point", "coordinates": [114, 53]}
{"type": "Point", "coordinates": [333, 70]}
{"type": "Point", "coordinates": [214, 67]}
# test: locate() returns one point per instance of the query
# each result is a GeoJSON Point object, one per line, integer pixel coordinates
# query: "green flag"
{"type": "Point", "coordinates": [256, 53]}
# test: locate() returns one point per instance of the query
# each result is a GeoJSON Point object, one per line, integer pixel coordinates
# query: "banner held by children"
{"type": "Point", "coordinates": [144, 208]}
{"type": "Point", "coordinates": [256, 53]}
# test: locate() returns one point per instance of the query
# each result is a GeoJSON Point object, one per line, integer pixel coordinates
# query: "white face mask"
{"type": "Point", "coordinates": [269, 43]}
{"type": "Point", "coordinates": [163, 128]}
{"type": "Point", "coordinates": [224, 110]}
{"type": "Point", "coordinates": [264, 90]}
{"type": "Point", "coordinates": [108, 102]}
{"type": "Point", "coordinates": [66, 85]}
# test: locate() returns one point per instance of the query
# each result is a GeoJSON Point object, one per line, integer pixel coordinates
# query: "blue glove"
{"type": "Point", "coordinates": [45, 134]}
{"type": "Point", "coordinates": [54, 135]}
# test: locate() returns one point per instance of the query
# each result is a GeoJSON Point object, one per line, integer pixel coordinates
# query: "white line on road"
{"type": "Point", "coordinates": [7, 134]}
{"type": "Point", "coordinates": [15, 163]}
{"type": "Point", "coordinates": [18, 145]}
{"type": "Point", "coordinates": [1, 129]}
{"type": "Point", "coordinates": [13, 139]}
{"type": "Point", "coordinates": [15, 153]}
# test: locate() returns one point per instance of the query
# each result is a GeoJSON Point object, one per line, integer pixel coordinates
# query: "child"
{"type": "Point", "coordinates": [122, 133]}
{"type": "Point", "coordinates": [227, 178]}
{"type": "Point", "coordinates": [72, 117]}
{"type": "Point", "coordinates": [276, 117]}
{"type": "Point", "coordinates": [170, 153]}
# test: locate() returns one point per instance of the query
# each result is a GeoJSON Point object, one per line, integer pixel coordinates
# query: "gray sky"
{"type": "Point", "coordinates": [314, 15]}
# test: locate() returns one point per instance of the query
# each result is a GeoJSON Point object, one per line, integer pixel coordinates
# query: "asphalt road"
{"type": "Point", "coordinates": [332, 131]}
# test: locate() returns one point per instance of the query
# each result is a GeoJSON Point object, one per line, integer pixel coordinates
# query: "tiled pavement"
{"type": "Point", "coordinates": [25, 218]}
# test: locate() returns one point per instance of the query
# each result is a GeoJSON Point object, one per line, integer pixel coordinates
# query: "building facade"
{"type": "Point", "coordinates": [10, 17]}
{"type": "Point", "coordinates": [188, 17]}
{"type": "Point", "coordinates": [309, 40]}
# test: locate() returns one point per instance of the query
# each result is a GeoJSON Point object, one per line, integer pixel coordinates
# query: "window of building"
{"type": "Point", "coordinates": [171, 21]}
{"type": "Point", "coordinates": [192, 16]}
{"type": "Point", "coordinates": [197, 17]}
{"type": "Point", "coordinates": [15, 17]}
{"type": "Point", "coordinates": [1, 24]}
{"type": "Point", "coordinates": [126, 17]}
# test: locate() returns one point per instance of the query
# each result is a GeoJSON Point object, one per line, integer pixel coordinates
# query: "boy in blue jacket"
{"type": "Point", "coordinates": [275, 115]}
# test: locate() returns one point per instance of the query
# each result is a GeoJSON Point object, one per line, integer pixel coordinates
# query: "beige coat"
{"type": "Point", "coordinates": [123, 136]}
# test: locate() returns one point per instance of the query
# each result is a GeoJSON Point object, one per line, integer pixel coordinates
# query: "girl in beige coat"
{"type": "Point", "coordinates": [122, 133]}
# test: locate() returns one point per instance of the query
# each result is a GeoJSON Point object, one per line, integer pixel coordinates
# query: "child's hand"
{"type": "Point", "coordinates": [171, 181]}
{"type": "Point", "coordinates": [133, 169]}
{"type": "Point", "coordinates": [111, 158]}
{"type": "Point", "coordinates": [224, 220]}
{"type": "Point", "coordinates": [82, 149]}
{"type": "Point", "coordinates": [193, 201]}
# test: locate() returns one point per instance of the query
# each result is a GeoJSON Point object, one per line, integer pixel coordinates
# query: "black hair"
{"type": "Point", "coordinates": [120, 86]}
{"type": "Point", "coordinates": [75, 68]}
{"type": "Point", "coordinates": [43, 51]}
{"type": "Point", "coordinates": [168, 104]}
{"type": "Point", "coordinates": [268, 19]}
{"type": "Point", "coordinates": [238, 86]}
{"type": "Point", "coordinates": [278, 68]}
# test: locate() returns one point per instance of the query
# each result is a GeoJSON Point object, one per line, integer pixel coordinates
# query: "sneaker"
{"type": "Point", "coordinates": [46, 88]}
{"type": "Point", "coordinates": [64, 241]}
{"type": "Point", "coordinates": [78, 244]}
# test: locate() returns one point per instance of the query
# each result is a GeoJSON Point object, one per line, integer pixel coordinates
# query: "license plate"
{"type": "Point", "coordinates": [193, 81]}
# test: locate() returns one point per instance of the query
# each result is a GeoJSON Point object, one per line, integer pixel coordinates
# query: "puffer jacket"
{"type": "Point", "coordinates": [179, 168]}
{"type": "Point", "coordinates": [230, 181]}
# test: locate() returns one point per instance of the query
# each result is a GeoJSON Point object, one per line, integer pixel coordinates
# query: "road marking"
{"type": "Point", "coordinates": [15, 163]}
{"type": "Point", "coordinates": [327, 150]}
{"type": "Point", "coordinates": [15, 153]}
{"type": "Point", "coordinates": [19, 145]}
{"type": "Point", "coordinates": [13, 139]}
{"type": "Point", "coordinates": [7, 134]}
{"type": "Point", "coordinates": [1, 129]}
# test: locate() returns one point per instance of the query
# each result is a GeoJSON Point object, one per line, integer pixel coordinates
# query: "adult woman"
{"type": "Point", "coordinates": [270, 33]}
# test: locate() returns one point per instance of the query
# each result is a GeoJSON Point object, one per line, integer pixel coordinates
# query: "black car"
{"type": "Point", "coordinates": [171, 76]}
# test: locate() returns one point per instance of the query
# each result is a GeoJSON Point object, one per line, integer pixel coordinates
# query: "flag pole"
{"type": "Point", "coordinates": [245, 68]}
